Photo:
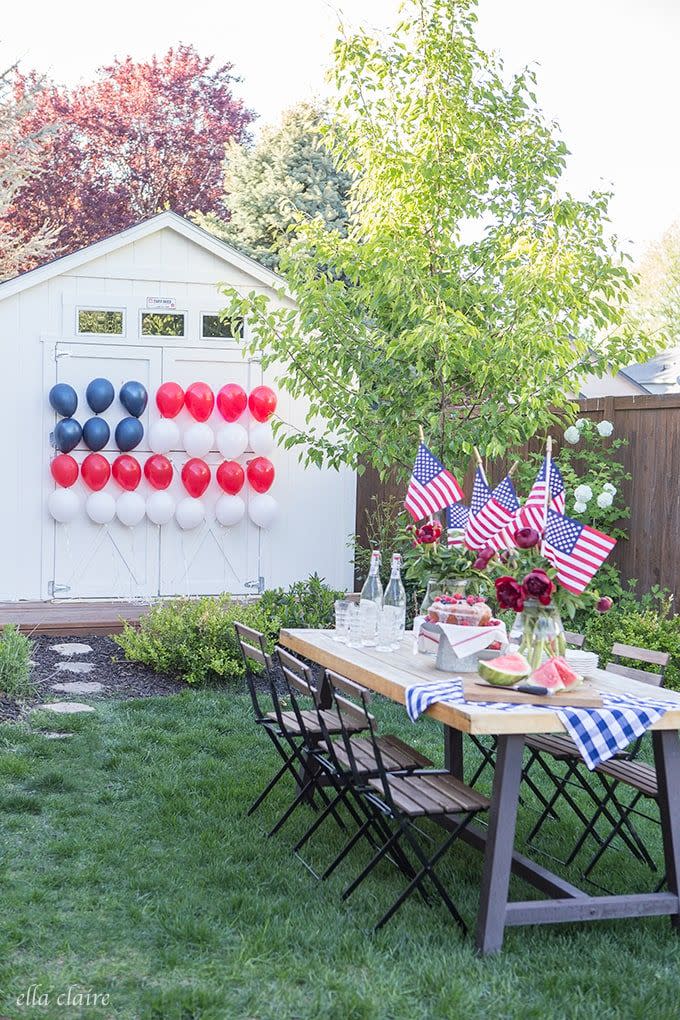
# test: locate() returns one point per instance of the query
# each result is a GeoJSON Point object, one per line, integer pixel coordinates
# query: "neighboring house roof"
{"type": "Point", "coordinates": [659, 374]}
{"type": "Point", "coordinates": [164, 220]}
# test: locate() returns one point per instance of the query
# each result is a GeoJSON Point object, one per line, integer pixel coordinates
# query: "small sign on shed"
{"type": "Point", "coordinates": [161, 304]}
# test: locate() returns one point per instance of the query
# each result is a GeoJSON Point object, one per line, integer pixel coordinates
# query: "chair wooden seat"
{"type": "Point", "coordinates": [396, 754]}
{"type": "Point", "coordinates": [311, 723]}
{"type": "Point", "coordinates": [433, 794]}
{"type": "Point", "coordinates": [636, 774]}
{"type": "Point", "coordinates": [557, 745]}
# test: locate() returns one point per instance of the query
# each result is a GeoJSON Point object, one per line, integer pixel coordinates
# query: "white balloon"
{"type": "Point", "coordinates": [263, 510]}
{"type": "Point", "coordinates": [229, 510]}
{"type": "Point", "coordinates": [100, 507]}
{"type": "Point", "coordinates": [163, 436]}
{"type": "Point", "coordinates": [160, 507]}
{"type": "Point", "coordinates": [232, 441]}
{"type": "Point", "coordinates": [130, 508]}
{"type": "Point", "coordinates": [261, 438]}
{"type": "Point", "coordinates": [199, 439]}
{"type": "Point", "coordinates": [190, 513]}
{"type": "Point", "coordinates": [64, 505]}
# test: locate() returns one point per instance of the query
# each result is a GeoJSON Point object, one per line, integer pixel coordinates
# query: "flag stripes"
{"type": "Point", "coordinates": [431, 487]}
{"type": "Point", "coordinates": [576, 550]}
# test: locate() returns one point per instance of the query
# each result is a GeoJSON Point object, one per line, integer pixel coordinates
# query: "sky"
{"type": "Point", "coordinates": [608, 70]}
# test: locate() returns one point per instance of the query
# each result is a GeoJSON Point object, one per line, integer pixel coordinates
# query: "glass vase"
{"type": "Point", "coordinates": [542, 633]}
{"type": "Point", "coordinates": [435, 588]}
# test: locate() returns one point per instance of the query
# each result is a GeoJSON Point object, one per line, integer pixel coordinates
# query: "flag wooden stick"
{"type": "Point", "coordinates": [513, 469]}
{"type": "Point", "coordinates": [421, 433]}
{"type": "Point", "coordinates": [548, 459]}
{"type": "Point", "coordinates": [480, 464]}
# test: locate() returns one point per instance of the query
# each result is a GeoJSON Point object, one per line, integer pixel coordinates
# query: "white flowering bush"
{"type": "Point", "coordinates": [572, 434]}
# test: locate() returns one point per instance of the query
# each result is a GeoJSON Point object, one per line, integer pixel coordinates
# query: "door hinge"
{"type": "Point", "coordinates": [259, 584]}
{"type": "Point", "coordinates": [53, 588]}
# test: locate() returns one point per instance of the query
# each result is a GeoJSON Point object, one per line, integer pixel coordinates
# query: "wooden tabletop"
{"type": "Point", "coordinates": [390, 673]}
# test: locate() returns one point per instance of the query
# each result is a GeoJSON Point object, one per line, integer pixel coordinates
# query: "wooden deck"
{"type": "Point", "coordinates": [71, 618]}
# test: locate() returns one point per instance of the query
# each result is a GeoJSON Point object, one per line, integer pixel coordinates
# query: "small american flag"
{"type": "Point", "coordinates": [456, 521]}
{"type": "Point", "coordinates": [576, 550]}
{"type": "Point", "coordinates": [531, 515]}
{"type": "Point", "coordinates": [489, 510]}
{"type": "Point", "coordinates": [431, 488]}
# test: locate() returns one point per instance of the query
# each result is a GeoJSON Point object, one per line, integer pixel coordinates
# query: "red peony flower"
{"type": "Point", "coordinates": [604, 604]}
{"type": "Point", "coordinates": [484, 556]}
{"type": "Point", "coordinates": [509, 594]}
{"type": "Point", "coordinates": [526, 538]}
{"type": "Point", "coordinates": [428, 534]}
{"type": "Point", "coordinates": [537, 585]}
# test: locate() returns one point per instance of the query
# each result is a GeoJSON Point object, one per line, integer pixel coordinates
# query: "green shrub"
{"type": "Point", "coordinates": [646, 622]}
{"type": "Point", "coordinates": [15, 670]}
{"type": "Point", "coordinates": [305, 604]}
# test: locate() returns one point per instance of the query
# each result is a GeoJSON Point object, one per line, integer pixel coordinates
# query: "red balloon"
{"type": "Point", "coordinates": [232, 401]}
{"type": "Point", "coordinates": [64, 470]}
{"type": "Point", "coordinates": [199, 400]}
{"type": "Point", "coordinates": [262, 403]}
{"type": "Point", "coordinates": [196, 477]}
{"type": "Point", "coordinates": [127, 472]}
{"type": "Point", "coordinates": [230, 477]}
{"type": "Point", "coordinates": [95, 471]}
{"type": "Point", "coordinates": [261, 473]}
{"type": "Point", "coordinates": [170, 399]}
{"type": "Point", "coordinates": [158, 471]}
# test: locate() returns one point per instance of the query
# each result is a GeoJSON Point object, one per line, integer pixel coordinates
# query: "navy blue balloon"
{"type": "Point", "coordinates": [64, 399]}
{"type": "Point", "coordinates": [96, 433]}
{"type": "Point", "coordinates": [129, 433]}
{"type": "Point", "coordinates": [67, 435]}
{"type": "Point", "coordinates": [134, 398]}
{"type": "Point", "coordinates": [99, 395]}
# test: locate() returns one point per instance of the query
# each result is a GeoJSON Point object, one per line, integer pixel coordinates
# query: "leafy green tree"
{"type": "Point", "coordinates": [470, 292]}
{"type": "Point", "coordinates": [290, 174]}
{"type": "Point", "coordinates": [655, 305]}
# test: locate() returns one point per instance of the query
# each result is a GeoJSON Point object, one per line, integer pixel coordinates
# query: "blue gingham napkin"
{"type": "Point", "coordinates": [597, 732]}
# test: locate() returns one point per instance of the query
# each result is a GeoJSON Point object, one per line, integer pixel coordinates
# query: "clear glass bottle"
{"type": "Point", "coordinates": [542, 632]}
{"type": "Point", "coordinates": [395, 599]}
{"type": "Point", "coordinates": [371, 601]}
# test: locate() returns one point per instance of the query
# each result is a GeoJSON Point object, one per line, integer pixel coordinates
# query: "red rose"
{"type": "Point", "coordinates": [537, 585]}
{"type": "Point", "coordinates": [428, 534]}
{"type": "Point", "coordinates": [604, 604]}
{"type": "Point", "coordinates": [509, 594]}
{"type": "Point", "coordinates": [526, 538]}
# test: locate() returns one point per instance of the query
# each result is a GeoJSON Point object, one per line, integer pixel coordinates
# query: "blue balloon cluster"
{"type": "Point", "coordinates": [95, 433]}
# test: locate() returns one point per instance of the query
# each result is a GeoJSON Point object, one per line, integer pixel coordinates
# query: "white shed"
{"type": "Point", "coordinates": [47, 336]}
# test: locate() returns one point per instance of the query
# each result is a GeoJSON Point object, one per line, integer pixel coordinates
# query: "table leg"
{"type": "Point", "coordinates": [453, 751]}
{"type": "Point", "coordinates": [667, 762]}
{"type": "Point", "coordinates": [499, 844]}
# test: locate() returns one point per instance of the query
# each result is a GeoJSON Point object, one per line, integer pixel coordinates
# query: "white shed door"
{"type": "Point", "coordinates": [209, 559]}
{"type": "Point", "coordinates": [111, 560]}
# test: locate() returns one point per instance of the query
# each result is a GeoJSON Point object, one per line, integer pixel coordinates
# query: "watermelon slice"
{"type": "Point", "coordinates": [504, 670]}
{"type": "Point", "coordinates": [569, 677]}
{"type": "Point", "coordinates": [548, 676]}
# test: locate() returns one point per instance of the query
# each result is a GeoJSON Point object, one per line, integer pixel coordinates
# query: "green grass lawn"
{"type": "Point", "coordinates": [129, 869]}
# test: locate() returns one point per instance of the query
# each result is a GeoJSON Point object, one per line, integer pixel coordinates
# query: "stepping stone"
{"type": "Point", "coordinates": [71, 649]}
{"type": "Point", "coordinates": [79, 687]}
{"type": "Point", "coordinates": [75, 667]}
{"type": "Point", "coordinates": [66, 707]}
{"type": "Point", "coordinates": [56, 736]}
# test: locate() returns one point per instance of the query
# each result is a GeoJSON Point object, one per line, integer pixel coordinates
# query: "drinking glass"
{"type": "Point", "coordinates": [341, 609]}
{"type": "Point", "coordinates": [387, 635]}
{"type": "Point", "coordinates": [353, 627]}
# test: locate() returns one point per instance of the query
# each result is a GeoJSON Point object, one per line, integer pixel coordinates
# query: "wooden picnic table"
{"type": "Point", "coordinates": [390, 673]}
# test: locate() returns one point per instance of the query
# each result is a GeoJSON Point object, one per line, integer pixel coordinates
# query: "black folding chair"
{"type": "Point", "coordinates": [404, 799]}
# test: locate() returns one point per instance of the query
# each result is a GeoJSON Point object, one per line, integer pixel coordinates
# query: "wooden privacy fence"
{"type": "Point", "coordinates": [651, 424]}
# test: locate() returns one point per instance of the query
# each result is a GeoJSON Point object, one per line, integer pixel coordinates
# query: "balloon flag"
{"type": "Point", "coordinates": [261, 474]}
{"type": "Point", "coordinates": [198, 439]}
{"type": "Point", "coordinates": [189, 513]}
{"type": "Point", "coordinates": [262, 403]}
{"type": "Point", "coordinates": [163, 436]}
{"type": "Point", "coordinates": [134, 398]}
{"type": "Point", "coordinates": [158, 471]}
{"type": "Point", "coordinates": [232, 441]}
{"type": "Point", "coordinates": [160, 508]}
{"type": "Point", "coordinates": [232, 401]}
{"type": "Point", "coordinates": [64, 505]}
{"type": "Point", "coordinates": [199, 400]}
{"type": "Point", "coordinates": [99, 395]}
{"type": "Point", "coordinates": [196, 477]}
{"type": "Point", "coordinates": [130, 508]}
{"type": "Point", "coordinates": [170, 399]}
{"type": "Point", "coordinates": [129, 433]}
{"type": "Point", "coordinates": [230, 477]}
{"type": "Point", "coordinates": [229, 510]}
{"type": "Point", "coordinates": [64, 399]}
{"type": "Point", "coordinates": [261, 438]}
{"type": "Point", "coordinates": [262, 510]}
{"type": "Point", "coordinates": [96, 433]}
{"type": "Point", "coordinates": [67, 435]}
{"type": "Point", "coordinates": [127, 472]}
{"type": "Point", "coordinates": [64, 470]}
{"type": "Point", "coordinates": [100, 507]}
{"type": "Point", "coordinates": [95, 471]}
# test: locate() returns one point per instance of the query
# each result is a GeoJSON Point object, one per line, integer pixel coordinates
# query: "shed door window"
{"type": "Point", "coordinates": [162, 323]}
{"type": "Point", "coordinates": [100, 320]}
{"type": "Point", "coordinates": [215, 328]}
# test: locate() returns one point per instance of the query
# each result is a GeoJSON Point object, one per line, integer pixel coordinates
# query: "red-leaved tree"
{"type": "Point", "coordinates": [140, 138]}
